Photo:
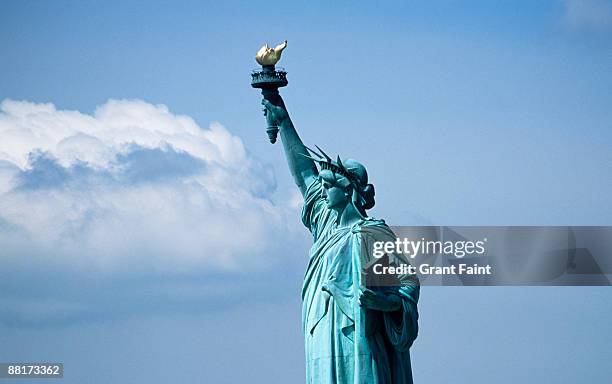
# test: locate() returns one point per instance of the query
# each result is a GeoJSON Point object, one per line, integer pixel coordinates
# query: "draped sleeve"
{"type": "Point", "coordinates": [402, 326]}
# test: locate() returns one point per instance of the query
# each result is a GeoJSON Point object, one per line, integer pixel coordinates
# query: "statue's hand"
{"type": "Point", "coordinates": [379, 301]}
{"type": "Point", "coordinates": [279, 114]}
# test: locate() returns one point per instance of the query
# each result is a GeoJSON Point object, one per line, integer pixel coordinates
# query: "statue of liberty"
{"type": "Point", "coordinates": [353, 332]}
{"type": "Point", "coordinates": [356, 329]}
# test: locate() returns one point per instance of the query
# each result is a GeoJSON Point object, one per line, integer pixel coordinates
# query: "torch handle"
{"type": "Point", "coordinates": [272, 95]}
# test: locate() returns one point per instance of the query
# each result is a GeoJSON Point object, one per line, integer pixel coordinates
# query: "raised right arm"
{"type": "Point", "coordinates": [303, 169]}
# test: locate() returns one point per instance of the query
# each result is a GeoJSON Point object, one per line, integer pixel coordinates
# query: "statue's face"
{"type": "Point", "coordinates": [334, 196]}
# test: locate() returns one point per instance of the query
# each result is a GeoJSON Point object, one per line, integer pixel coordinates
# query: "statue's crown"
{"type": "Point", "coordinates": [326, 163]}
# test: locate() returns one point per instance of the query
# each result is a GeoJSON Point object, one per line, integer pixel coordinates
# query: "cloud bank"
{"type": "Point", "coordinates": [130, 190]}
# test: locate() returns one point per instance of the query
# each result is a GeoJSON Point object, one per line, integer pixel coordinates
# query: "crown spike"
{"type": "Point", "coordinates": [339, 161]}
{"type": "Point", "coordinates": [324, 154]}
{"type": "Point", "coordinates": [310, 157]}
{"type": "Point", "coordinates": [313, 152]}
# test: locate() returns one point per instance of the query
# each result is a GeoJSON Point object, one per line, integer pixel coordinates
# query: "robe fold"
{"type": "Point", "coordinates": [345, 342]}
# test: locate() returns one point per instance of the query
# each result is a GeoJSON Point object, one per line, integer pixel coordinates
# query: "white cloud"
{"type": "Point", "coordinates": [588, 14]}
{"type": "Point", "coordinates": [131, 189]}
{"type": "Point", "coordinates": [72, 136]}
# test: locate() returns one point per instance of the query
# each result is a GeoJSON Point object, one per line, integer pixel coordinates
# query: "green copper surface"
{"type": "Point", "coordinates": [354, 331]}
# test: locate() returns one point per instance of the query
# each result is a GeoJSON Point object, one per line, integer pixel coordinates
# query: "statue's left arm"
{"type": "Point", "coordinates": [397, 301]}
{"type": "Point", "coordinates": [402, 326]}
{"type": "Point", "coordinates": [399, 307]}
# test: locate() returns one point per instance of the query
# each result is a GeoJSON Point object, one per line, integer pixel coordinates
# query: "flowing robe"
{"type": "Point", "coordinates": [345, 342]}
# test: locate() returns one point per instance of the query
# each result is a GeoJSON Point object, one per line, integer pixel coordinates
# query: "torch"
{"type": "Point", "coordinates": [269, 79]}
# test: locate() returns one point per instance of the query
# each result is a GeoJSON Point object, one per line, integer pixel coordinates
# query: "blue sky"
{"type": "Point", "coordinates": [146, 219]}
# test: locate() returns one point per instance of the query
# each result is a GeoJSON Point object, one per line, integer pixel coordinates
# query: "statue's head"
{"type": "Point", "coordinates": [346, 182]}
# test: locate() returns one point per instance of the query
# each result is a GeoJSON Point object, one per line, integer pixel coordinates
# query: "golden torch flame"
{"type": "Point", "coordinates": [269, 56]}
